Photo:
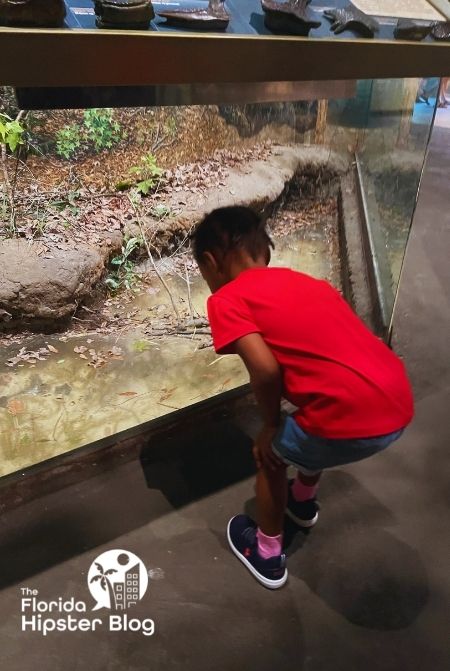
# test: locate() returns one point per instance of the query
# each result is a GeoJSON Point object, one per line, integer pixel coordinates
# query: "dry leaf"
{"type": "Point", "coordinates": [15, 406]}
{"type": "Point", "coordinates": [52, 349]}
{"type": "Point", "coordinates": [167, 393]}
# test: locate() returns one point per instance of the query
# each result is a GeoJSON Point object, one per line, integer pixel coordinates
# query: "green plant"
{"type": "Point", "coordinates": [101, 129]}
{"type": "Point", "coordinates": [68, 140]}
{"type": "Point", "coordinates": [11, 132]}
{"type": "Point", "coordinates": [70, 202]}
{"type": "Point", "coordinates": [160, 211]}
{"type": "Point", "coordinates": [141, 345]}
{"type": "Point", "coordinates": [123, 272]}
{"type": "Point", "coordinates": [148, 174]}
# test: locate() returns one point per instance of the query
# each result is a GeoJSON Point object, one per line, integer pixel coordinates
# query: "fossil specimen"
{"type": "Point", "coordinates": [215, 17]}
{"type": "Point", "coordinates": [351, 18]}
{"type": "Point", "coordinates": [440, 30]}
{"type": "Point", "coordinates": [292, 17]}
{"type": "Point", "coordinates": [134, 14]}
{"type": "Point", "coordinates": [409, 30]}
{"type": "Point", "coordinates": [39, 13]}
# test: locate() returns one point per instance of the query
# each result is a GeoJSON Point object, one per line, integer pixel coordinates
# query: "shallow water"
{"type": "Point", "coordinates": [62, 403]}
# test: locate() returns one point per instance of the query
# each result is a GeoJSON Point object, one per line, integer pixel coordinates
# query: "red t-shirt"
{"type": "Point", "coordinates": [345, 381]}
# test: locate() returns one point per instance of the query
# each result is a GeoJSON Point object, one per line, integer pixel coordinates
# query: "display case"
{"type": "Point", "coordinates": [116, 143]}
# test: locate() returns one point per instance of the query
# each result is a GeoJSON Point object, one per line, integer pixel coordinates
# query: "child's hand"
{"type": "Point", "coordinates": [262, 449]}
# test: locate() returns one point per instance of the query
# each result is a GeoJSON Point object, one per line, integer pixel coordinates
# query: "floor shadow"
{"type": "Point", "coordinates": [361, 570]}
{"type": "Point", "coordinates": [171, 473]}
{"type": "Point", "coordinates": [205, 461]}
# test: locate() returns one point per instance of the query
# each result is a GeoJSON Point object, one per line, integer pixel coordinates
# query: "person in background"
{"type": "Point", "coordinates": [443, 86]}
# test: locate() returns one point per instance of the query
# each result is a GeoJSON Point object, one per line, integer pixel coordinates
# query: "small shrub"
{"type": "Point", "coordinates": [148, 174]}
{"type": "Point", "coordinates": [101, 129]}
{"type": "Point", "coordinates": [123, 273]}
{"type": "Point", "coordinates": [68, 140]}
{"type": "Point", "coordinates": [160, 211]}
{"type": "Point", "coordinates": [11, 132]}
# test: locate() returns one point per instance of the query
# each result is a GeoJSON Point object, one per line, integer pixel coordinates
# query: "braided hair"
{"type": "Point", "coordinates": [229, 228]}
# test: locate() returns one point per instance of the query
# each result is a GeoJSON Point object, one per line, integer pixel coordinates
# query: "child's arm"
{"type": "Point", "coordinates": [266, 381]}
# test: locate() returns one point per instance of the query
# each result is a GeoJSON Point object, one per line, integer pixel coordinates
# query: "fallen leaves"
{"type": "Point", "coordinates": [99, 358]}
{"type": "Point", "coordinates": [25, 356]}
{"type": "Point", "coordinates": [166, 393]}
{"type": "Point", "coordinates": [15, 406]}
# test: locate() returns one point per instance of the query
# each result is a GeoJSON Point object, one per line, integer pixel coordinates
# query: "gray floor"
{"type": "Point", "coordinates": [368, 587]}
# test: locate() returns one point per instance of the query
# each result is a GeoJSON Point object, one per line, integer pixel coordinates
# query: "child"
{"type": "Point", "coordinates": [299, 340]}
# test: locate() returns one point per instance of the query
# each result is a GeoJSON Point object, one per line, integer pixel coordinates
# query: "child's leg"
{"type": "Point", "coordinates": [271, 499]}
{"type": "Point", "coordinates": [305, 487]}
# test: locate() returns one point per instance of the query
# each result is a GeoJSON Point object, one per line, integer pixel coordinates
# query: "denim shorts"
{"type": "Point", "coordinates": [311, 454]}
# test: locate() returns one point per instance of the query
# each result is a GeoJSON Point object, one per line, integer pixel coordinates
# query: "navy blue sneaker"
{"type": "Point", "coordinates": [303, 513]}
{"type": "Point", "coordinates": [272, 572]}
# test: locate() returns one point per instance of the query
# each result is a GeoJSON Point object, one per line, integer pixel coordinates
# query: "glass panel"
{"type": "Point", "coordinates": [102, 312]}
{"type": "Point", "coordinates": [391, 157]}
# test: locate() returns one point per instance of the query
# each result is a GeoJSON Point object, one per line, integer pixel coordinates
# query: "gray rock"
{"type": "Point", "coordinates": [261, 185]}
{"type": "Point", "coordinates": [41, 287]}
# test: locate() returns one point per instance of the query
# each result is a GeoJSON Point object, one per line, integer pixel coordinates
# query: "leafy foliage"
{"type": "Point", "coordinates": [101, 129]}
{"type": "Point", "coordinates": [11, 132]}
{"type": "Point", "coordinates": [68, 140]}
{"type": "Point", "coordinates": [98, 130]}
{"type": "Point", "coordinates": [148, 174]}
{"type": "Point", "coordinates": [160, 211]}
{"type": "Point", "coordinates": [69, 201]}
{"type": "Point", "coordinates": [124, 272]}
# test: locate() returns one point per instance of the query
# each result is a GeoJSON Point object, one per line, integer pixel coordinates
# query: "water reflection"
{"type": "Point", "coordinates": [62, 403]}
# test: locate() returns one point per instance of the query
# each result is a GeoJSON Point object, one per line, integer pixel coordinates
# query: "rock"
{"type": "Point", "coordinates": [40, 13]}
{"type": "Point", "coordinates": [259, 187]}
{"type": "Point", "coordinates": [40, 288]}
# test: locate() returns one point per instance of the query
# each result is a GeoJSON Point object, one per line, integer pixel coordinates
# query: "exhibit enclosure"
{"type": "Point", "coordinates": [117, 138]}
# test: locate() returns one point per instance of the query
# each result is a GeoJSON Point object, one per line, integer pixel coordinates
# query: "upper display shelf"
{"type": "Point", "coordinates": [240, 48]}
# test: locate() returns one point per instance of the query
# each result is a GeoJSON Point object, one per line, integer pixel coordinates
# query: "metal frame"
{"type": "Point", "coordinates": [61, 57]}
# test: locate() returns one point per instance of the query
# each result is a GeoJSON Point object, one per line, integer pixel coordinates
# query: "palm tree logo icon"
{"type": "Point", "coordinates": [105, 582]}
{"type": "Point", "coordinates": [117, 579]}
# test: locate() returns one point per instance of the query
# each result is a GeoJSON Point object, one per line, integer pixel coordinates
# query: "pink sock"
{"type": "Point", "coordinates": [302, 492]}
{"type": "Point", "coordinates": [268, 546]}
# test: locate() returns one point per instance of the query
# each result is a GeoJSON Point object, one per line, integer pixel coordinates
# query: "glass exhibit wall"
{"type": "Point", "coordinates": [102, 316]}
{"type": "Point", "coordinates": [390, 162]}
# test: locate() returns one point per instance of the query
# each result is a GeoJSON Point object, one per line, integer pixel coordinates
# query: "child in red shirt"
{"type": "Point", "coordinates": [300, 340]}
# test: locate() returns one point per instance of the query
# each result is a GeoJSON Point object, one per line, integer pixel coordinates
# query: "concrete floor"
{"type": "Point", "coordinates": [369, 586]}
